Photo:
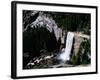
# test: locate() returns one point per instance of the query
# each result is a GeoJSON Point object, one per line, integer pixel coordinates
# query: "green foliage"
{"type": "Point", "coordinates": [40, 66]}
{"type": "Point", "coordinates": [82, 56]}
{"type": "Point", "coordinates": [73, 22]}
{"type": "Point", "coordinates": [74, 59]}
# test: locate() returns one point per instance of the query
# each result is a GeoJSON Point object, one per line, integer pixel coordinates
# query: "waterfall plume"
{"type": "Point", "coordinates": [65, 54]}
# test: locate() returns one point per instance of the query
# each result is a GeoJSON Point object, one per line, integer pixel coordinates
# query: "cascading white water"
{"type": "Point", "coordinates": [65, 55]}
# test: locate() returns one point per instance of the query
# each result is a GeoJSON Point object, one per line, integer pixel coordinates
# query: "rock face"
{"type": "Point", "coordinates": [81, 50]}
{"type": "Point", "coordinates": [43, 61]}
{"type": "Point", "coordinates": [78, 41]}
{"type": "Point", "coordinates": [44, 20]}
{"type": "Point", "coordinates": [40, 31]}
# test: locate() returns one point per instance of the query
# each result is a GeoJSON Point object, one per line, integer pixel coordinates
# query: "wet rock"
{"type": "Point", "coordinates": [81, 48]}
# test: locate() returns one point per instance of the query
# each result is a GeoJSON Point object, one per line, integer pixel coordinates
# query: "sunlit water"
{"type": "Point", "coordinates": [65, 54]}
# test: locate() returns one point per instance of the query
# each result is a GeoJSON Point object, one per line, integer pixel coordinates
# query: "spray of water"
{"type": "Point", "coordinates": [65, 55]}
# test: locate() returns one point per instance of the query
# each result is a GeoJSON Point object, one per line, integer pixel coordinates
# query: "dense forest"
{"type": "Point", "coordinates": [40, 36]}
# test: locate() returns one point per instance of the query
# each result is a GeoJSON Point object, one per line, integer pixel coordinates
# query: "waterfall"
{"type": "Point", "coordinates": [65, 55]}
